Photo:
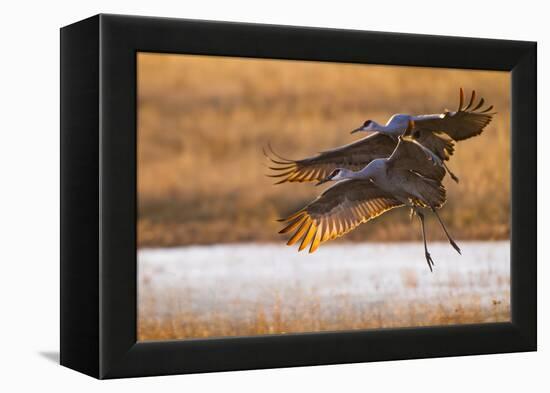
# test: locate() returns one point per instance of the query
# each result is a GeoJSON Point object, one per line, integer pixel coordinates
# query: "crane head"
{"type": "Point", "coordinates": [368, 125]}
{"type": "Point", "coordinates": [334, 175]}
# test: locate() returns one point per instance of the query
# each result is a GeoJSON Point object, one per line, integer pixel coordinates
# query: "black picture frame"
{"type": "Point", "coordinates": [98, 196]}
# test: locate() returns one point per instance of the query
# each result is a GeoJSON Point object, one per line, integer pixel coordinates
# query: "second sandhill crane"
{"type": "Point", "coordinates": [437, 132]}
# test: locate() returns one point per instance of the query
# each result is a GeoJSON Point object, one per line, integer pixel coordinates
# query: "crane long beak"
{"type": "Point", "coordinates": [356, 130]}
{"type": "Point", "coordinates": [322, 181]}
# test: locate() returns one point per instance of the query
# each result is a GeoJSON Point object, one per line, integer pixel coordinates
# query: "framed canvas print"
{"type": "Point", "coordinates": [239, 196]}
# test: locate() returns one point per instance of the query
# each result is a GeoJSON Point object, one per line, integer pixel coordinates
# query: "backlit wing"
{"type": "Point", "coordinates": [335, 212]}
{"type": "Point", "coordinates": [468, 121]}
{"type": "Point", "coordinates": [353, 156]}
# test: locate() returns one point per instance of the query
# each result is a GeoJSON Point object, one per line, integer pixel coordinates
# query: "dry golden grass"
{"type": "Point", "coordinates": [306, 314]}
{"type": "Point", "coordinates": [202, 123]}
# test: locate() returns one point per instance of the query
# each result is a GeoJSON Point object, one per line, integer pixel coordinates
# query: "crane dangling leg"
{"type": "Point", "coordinates": [453, 176]}
{"type": "Point", "coordinates": [426, 253]}
{"type": "Point", "coordinates": [455, 246]}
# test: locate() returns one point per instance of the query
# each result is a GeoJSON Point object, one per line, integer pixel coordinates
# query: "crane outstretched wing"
{"type": "Point", "coordinates": [440, 143]}
{"type": "Point", "coordinates": [410, 155]}
{"type": "Point", "coordinates": [354, 156]}
{"type": "Point", "coordinates": [335, 212]}
{"type": "Point", "coordinates": [420, 171]}
{"type": "Point", "coordinates": [468, 121]}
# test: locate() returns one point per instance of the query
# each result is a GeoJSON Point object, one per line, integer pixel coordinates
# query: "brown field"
{"type": "Point", "coordinates": [308, 316]}
{"type": "Point", "coordinates": [203, 121]}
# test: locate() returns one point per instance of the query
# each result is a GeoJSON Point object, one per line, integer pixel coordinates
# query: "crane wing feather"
{"type": "Point", "coordinates": [337, 211]}
{"type": "Point", "coordinates": [410, 155]}
{"type": "Point", "coordinates": [465, 123]}
{"type": "Point", "coordinates": [353, 156]}
{"type": "Point", "coordinates": [439, 143]}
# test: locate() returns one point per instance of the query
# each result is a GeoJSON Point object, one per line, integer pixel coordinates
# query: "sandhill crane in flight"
{"type": "Point", "coordinates": [436, 132]}
{"type": "Point", "coordinates": [410, 177]}
{"type": "Point", "coordinates": [466, 122]}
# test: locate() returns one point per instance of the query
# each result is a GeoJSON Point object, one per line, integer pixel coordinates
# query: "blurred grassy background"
{"type": "Point", "coordinates": [202, 123]}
